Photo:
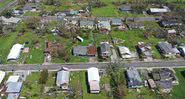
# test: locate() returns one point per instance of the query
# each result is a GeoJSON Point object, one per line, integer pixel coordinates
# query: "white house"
{"type": "Point", "coordinates": [93, 79]}
{"type": "Point", "coordinates": [15, 52]}
{"type": "Point", "coordinates": [2, 75]}
{"type": "Point", "coordinates": [124, 52]}
{"type": "Point", "coordinates": [63, 79]}
{"type": "Point", "coordinates": [13, 79]}
{"type": "Point", "coordinates": [12, 20]}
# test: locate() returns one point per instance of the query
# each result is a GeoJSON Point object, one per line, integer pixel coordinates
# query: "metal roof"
{"type": "Point", "coordinates": [14, 87]}
{"type": "Point", "coordinates": [62, 77]}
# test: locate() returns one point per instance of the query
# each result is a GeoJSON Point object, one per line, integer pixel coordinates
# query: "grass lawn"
{"type": "Point", "coordinates": [132, 37]}
{"type": "Point", "coordinates": [31, 88]}
{"type": "Point", "coordinates": [80, 79]}
{"type": "Point", "coordinates": [145, 93]}
{"type": "Point", "coordinates": [178, 91]}
{"type": "Point", "coordinates": [4, 3]}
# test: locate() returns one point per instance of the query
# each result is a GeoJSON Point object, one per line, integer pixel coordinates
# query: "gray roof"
{"type": "Point", "coordinates": [30, 6]}
{"type": "Point", "coordinates": [136, 25]}
{"type": "Point", "coordinates": [164, 84]}
{"type": "Point", "coordinates": [116, 21]}
{"type": "Point", "coordinates": [165, 47]}
{"type": "Point", "coordinates": [125, 8]}
{"type": "Point", "coordinates": [102, 19]}
{"type": "Point", "coordinates": [62, 77]}
{"type": "Point", "coordinates": [105, 47]}
{"type": "Point", "coordinates": [86, 23]}
{"type": "Point", "coordinates": [80, 50]}
{"type": "Point", "coordinates": [134, 79]}
{"type": "Point", "coordinates": [14, 87]}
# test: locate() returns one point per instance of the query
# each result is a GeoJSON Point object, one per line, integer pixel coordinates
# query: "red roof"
{"type": "Point", "coordinates": [91, 50]}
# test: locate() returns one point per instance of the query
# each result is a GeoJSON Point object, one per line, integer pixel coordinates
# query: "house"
{"type": "Point", "coordinates": [14, 87]}
{"type": "Point", "coordinates": [105, 49]}
{"type": "Point", "coordinates": [104, 27]}
{"type": "Point", "coordinates": [164, 9]}
{"type": "Point", "coordinates": [80, 51]}
{"type": "Point", "coordinates": [30, 7]}
{"type": "Point", "coordinates": [116, 21]}
{"type": "Point", "coordinates": [125, 8]}
{"type": "Point", "coordinates": [93, 79]}
{"type": "Point", "coordinates": [151, 83]}
{"type": "Point", "coordinates": [164, 74]}
{"type": "Point", "coordinates": [91, 50]}
{"type": "Point", "coordinates": [136, 26]}
{"type": "Point", "coordinates": [15, 52]}
{"type": "Point", "coordinates": [124, 52]}
{"type": "Point", "coordinates": [10, 21]}
{"type": "Point", "coordinates": [17, 12]}
{"type": "Point", "coordinates": [2, 76]}
{"type": "Point", "coordinates": [133, 78]}
{"type": "Point", "coordinates": [164, 86]}
{"type": "Point", "coordinates": [145, 51]}
{"type": "Point", "coordinates": [169, 23]}
{"type": "Point", "coordinates": [62, 79]}
{"type": "Point", "coordinates": [85, 51]}
{"type": "Point", "coordinates": [86, 24]}
{"type": "Point", "coordinates": [13, 79]}
{"type": "Point", "coordinates": [167, 50]}
{"type": "Point", "coordinates": [182, 50]}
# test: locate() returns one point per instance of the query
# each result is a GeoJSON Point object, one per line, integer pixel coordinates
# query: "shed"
{"type": "Point", "coordinates": [93, 79]}
{"type": "Point", "coordinates": [151, 83]}
{"type": "Point", "coordinates": [15, 52]}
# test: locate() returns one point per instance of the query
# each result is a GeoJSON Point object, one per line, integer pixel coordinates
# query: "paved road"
{"type": "Point", "coordinates": [55, 67]}
{"type": "Point", "coordinates": [9, 5]}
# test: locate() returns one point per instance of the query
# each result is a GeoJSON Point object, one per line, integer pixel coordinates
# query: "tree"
{"type": "Point", "coordinates": [7, 13]}
{"type": "Point", "coordinates": [21, 2]}
{"type": "Point", "coordinates": [117, 80]}
{"type": "Point", "coordinates": [1, 27]}
{"type": "Point", "coordinates": [43, 76]}
{"type": "Point", "coordinates": [32, 22]}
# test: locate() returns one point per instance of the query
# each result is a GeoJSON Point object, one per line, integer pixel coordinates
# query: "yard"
{"type": "Point", "coordinates": [132, 37]}
{"type": "Point", "coordinates": [178, 91]}
{"type": "Point", "coordinates": [3, 3]}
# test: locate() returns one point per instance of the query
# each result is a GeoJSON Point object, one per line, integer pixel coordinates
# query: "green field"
{"type": "Point", "coordinates": [178, 91]}
{"type": "Point", "coordinates": [4, 3]}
